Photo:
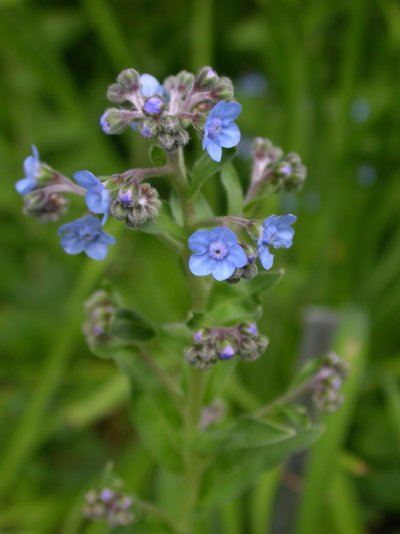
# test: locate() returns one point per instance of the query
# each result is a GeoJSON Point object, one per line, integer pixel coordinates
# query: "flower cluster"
{"type": "Point", "coordinates": [163, 112]}
{"type": "Point", "coordinates": [328, 382]}
{"type": "Point", "coordinates": [100, 309]}
{"type": "Point", "coordinates": [137, 204]}
{"type": "Point", "coordinates": [218, 252]}
{"type": "Point", "coordinates": [109, 505]}
{"type": "Point", "coordinates": [223, 343]}
{"type": "Point", "coordinates": [271, 166]}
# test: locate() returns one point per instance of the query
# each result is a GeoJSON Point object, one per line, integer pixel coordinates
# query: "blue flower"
{"type": "Point", "coordinates": [150, 86]}
{"type": "Point", "coordinates": [217, 252]}
{"type": "Point", "coordinates": [219, 130]}
{"type": "Point", "coordinates": [32, 168]}
{"type": "Point", "coordinates": [98, 199]}
{"type": "Point", "coordinates": [85, 235]}
{"type": "Point", "coordinates": [277, 233]}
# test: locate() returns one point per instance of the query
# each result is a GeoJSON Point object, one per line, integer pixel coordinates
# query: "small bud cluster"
{"type": "Point", "coordinates": [271, 165]}
{"type": "Point", "coordinates": [100, 309]}
{"type": "Point", "coordinates": [328, 382]}
{"type": "Point", "coordinates": [250, 270]}
{"type": "Point", "coordinates": [137, 204]}
{"type": "Point", "coordinates": [109, 505]}
{"type": "Point", "coordinates": [44, 206]}
{"type": "Point", "coordinates": [223, 343]}
{"type": "Point", "coordinates": [163, 112]}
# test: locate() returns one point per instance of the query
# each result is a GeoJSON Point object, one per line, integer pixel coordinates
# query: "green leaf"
{"type": "Point", "coordinates": [205, 167]}
{"type": "Point", "coordinates": [230, 181]}
{"type": "Point", "coordinates": [229, 303]}
{"type": "Point", "coordinates": [157, 155]}
{"type": "Point", "coordinates": [246, 433]}
{"type": "Point", "coordinates": [160, 437]}
{"type": "Point", "coordinates": [234, 471]}
{"type": "Point", "coordinates": [131, 327]}
{"type": "Point", "coordinates": [164, 225]}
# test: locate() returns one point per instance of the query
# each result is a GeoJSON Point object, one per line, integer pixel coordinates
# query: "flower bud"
{"type": "Point", "coordinates": [114, 120]}
{"type": "Point", "coordinates": [137, 204]}
{"type": "Point", "coordinates": [223, 90]}
{"type": "Point", "coordinates": [153, 106]}
{"type": "Point", "coordinates": [130, 79]}
{"type": "Point", "coordinates": [206, 78]}
{"type": "Point", "coordinates": [109, 505]}
{"type": "Point", "coordinates": [169, 124]}
{"type": "Point", "coordinates": [328, 381]}
{"type": "Point", "coordinates": [45, 207]}
{"type": "Point", "coordinates": [291, 171]}
{"type": "Point", "coordinates": [226, 349]}
{"type": "Point", "coordinates": [181, 83]}
{"type": "Point", "coordinates": [201, 357]}
{"type": "Point", "coordinates": [100, 309]}
{"type": "Point", "coordinates": [250, 271]}
{"type": "Point", "coordinates": [148, 128]}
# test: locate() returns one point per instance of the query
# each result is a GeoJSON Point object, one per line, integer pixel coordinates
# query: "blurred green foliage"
{"type": "Point", "coordinates": [332, 80]}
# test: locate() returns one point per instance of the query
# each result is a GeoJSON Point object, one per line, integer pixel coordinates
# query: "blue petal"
{"type": "Point", "coordinates": [214, 150]}
{"type": "Point", "coordinates": [35, 152]}
{"type": "Point", "coordinates": [237, 256]}
{"type": "Point", "coordinates": [93, 201]}
{"type": "Point", "coordinates": [230, 111]}
{"type": "Point", "coordinates": [25, 185]}
{"type": "Point", "coordinates": [199, 241]}
{"type": "Point", "coordinates": [284, 238]}
{"type": "Point", "coordinates": [31, 167]}
{"type": "Point", "coordinates": [266, 258]}
{"type": "Point", "coordinates": [107, 239]}
{"type": "Point", "coordinates": [216, 111]}
{"type": "Point", "coordinates": [224, 234]}
{"type": "Point", "coordinates": [86, 179]}
{"type": "Point", "coordinates": [271, 220]}
{"type": "Point", "coordinates": [286, 220]}
{"type": "Point", "coordinates": [72, 244]}
{"type": "Point", "coordinates": [149, 85]}
{"type": "Point", "coordinates": [96, 250]}
{"type": "Point", "coordinates": [201, 264]}
{"type": "Point", "coordinates": [229, 136]}
{"type": "Point", "coordinates": [223, 270]}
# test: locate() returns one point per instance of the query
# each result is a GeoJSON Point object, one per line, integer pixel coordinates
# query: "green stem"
{"type": "Point", "coordinates": [165, 380]}
{"type": "Point", "coordinates": [194, 465]}
{"type": "Point", "coordinates": [154, 510]}
{"type": "Point", "coordinates": [287, 397]}
{"type": "Point", "coordinates": [181, 186]}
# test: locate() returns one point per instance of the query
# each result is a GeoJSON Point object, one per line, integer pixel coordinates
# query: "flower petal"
{"type": "Point", "coordinates": [223, 270]}
{"type": "Point", "coordinates": [25, 185]}
{"type": "Point", "coordinates": [200, 241]}
{"type": "Point", "coordinates": [266, 258]}
{"type": "Point", "coordinates": [286, 220]}
{"type": "Point", "coordinates": [237, 256]}
{"type": "Point", "coordinates": [93, 201]}
{"type": "Point", "coordinates": [230, 111]}
{"type": "Point", "coordinates": [201, 264]}
{"type": "Point", "coordinates": [97, 250]}
{"type": "Point", "coordinates": [86, 179]}
{"type": "Point", "coordinates": [214, 151]}
{"type": "Point", "coordinates": [149, 85]}
{"type": "Point", "coordinates": [72, 244]}
{"type": "Point", "coordinates": [229, 136]}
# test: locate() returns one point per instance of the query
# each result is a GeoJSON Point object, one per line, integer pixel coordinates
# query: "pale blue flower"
{"type": "Point", "coordinates": [98, 199]}
{"type": "Point", "coordinates": [217, 252]}
{"type": "Point", "coordinates": [150, 86]}
{"type": "Point", "coordinates": [85, 235]}
{"type": "Point", "coordinates": [277, 233]}
{"type": "Point", "coordinates": [32, 169]}
{"type": "Point", "coordinates": [219, 130]}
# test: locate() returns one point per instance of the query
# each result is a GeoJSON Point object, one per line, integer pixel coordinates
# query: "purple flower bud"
{"type": "Point", "coordinates": [153, 106]}
{"type": "Point", "coordinates": [226, 353]}
{"type": "Point", "coordinates": [106, 495]}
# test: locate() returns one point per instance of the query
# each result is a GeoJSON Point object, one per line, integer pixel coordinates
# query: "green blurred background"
{"type": "Point", "coordinates": [317, 77]}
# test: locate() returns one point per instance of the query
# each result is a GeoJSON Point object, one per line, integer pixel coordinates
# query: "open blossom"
{"type": "Point", "coordinates": [216, 252]}
{"type": "Point", "coordinates": [85, 235]}
{"type": "Point", "coordinates": [97, 198]}
{"type": "Point", "coordinates": [32, 168]}
{"type": "Point", "coordinates": [219, 130]}
{"type": "Point", "coordinates": [277, 233]}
